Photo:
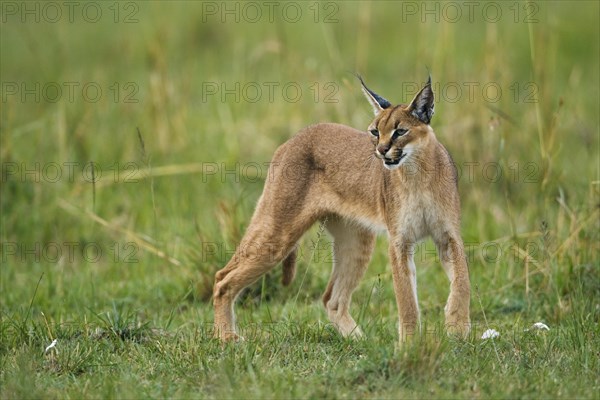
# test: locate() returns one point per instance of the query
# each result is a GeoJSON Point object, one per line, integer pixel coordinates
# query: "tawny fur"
{"type": "Point", "coordinates": [348, 179]}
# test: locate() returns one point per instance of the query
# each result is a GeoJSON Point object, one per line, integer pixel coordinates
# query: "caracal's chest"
{"type": "Point", "coordinates": [414, 214]}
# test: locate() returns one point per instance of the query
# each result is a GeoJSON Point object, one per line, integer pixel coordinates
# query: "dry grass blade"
{"type": "Point", "coordinates": [144, 244]}
{"type": "Point", "coordinates": [132, 176]}
{"type": "Point", "coordinates": [573, 235]}
{"type": "Point", "coordinates": [166, 170]}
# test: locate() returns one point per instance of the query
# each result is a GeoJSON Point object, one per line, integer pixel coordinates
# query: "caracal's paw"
{"type": "Point", "coordinates": [355, 334]}
{"type": "Point", "coordinates": [229, 337]}
{"type": "Point", "coordinates": [407, 333]}
{"type": "Point", "coordinates": [459, 327]}
{"type": "Point", "coordinates": [458, 322]}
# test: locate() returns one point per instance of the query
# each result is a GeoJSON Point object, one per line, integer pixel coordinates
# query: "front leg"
{"type": "Point", "coordinates": [405, 287]}
{"type": "Point", "coordinates": [453, 258]}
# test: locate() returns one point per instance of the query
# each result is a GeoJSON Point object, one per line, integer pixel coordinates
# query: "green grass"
{"type": "Point", "coordinates": [128, 297]}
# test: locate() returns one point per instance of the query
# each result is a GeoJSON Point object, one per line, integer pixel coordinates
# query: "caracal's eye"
{"type": "Point", "coordinates": [399, 132]}
{"type": "Point", "coordinates": [374, 132]}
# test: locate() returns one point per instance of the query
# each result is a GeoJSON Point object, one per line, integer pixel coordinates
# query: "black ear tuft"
{"type": "Point", "coordinates": [422, 106]}
{"type": "Point", "coordinates": [377, 102]}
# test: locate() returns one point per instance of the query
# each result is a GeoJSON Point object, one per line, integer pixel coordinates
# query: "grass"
{"type": "Point", "coordinates": [119, 268]}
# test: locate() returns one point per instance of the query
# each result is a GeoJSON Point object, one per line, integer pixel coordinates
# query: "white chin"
{"type": "Point", "coordinates": [396, 166]}
{"type": "Point", "coordinates": [392, 166]}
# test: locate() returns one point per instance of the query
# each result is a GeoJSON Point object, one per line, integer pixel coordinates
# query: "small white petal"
{"type": "Point", "coordinates": [490, 334]}
{"type": "Point", "coordinates": [541, 326]}
{"type": "Point", "coordinates": [51, 345]}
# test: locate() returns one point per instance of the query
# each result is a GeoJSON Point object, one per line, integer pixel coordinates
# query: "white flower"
{"type": "Point", "coordinates": [51, 345]}
{"type": "Point", "coordinates": [540, 326]}
{"type": "Point", "coordinates": [490, 334]}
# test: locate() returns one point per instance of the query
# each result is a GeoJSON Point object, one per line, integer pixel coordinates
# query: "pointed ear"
{"type": "Point", "coordinates": [377, 102]}
{"type": "Point", "coordinates": [422, 105]}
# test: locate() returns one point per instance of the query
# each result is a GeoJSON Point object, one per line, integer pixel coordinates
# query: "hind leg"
{"type": "Point", "coordinates": [262, 247]}
{"type": "Point", "coordinates": [250, 261]}
{"type": "Point", "coordinates": [352, 250]}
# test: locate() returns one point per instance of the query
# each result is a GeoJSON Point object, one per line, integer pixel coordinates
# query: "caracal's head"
{"type": "Point", "coordinates": [398, 132]}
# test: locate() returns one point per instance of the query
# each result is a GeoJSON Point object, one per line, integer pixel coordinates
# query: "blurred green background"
{"type": "Point", "coordinates": [178, 105]}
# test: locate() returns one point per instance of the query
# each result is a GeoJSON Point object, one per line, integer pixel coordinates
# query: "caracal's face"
{"type": "Point", "coordinates": [397, 135]}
